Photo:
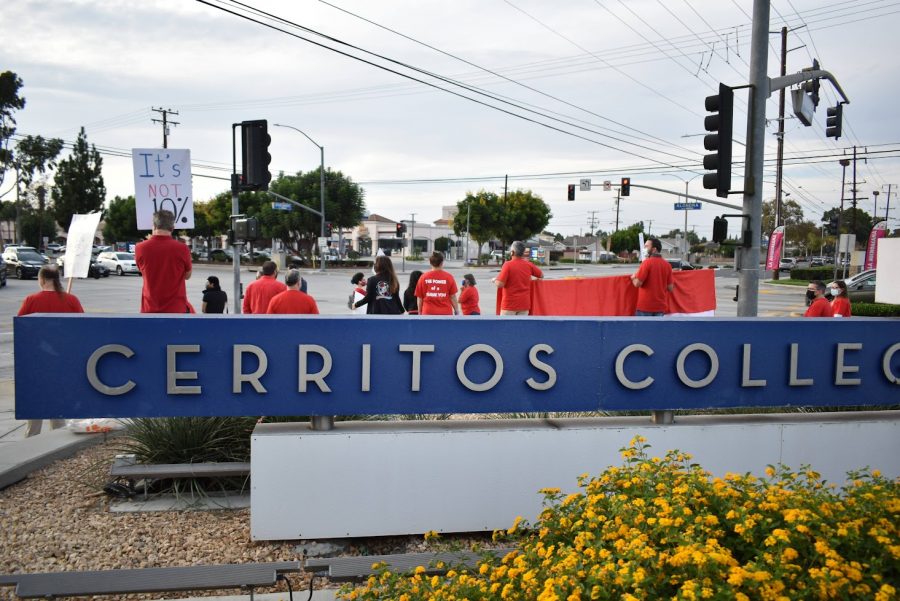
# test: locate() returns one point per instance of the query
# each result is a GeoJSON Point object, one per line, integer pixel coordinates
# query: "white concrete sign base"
{"type": "Point", "coordinates": [389, 478]}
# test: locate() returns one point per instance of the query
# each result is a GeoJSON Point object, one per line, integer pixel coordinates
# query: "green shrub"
{"type": "Point", "coordinates": [875, 310]}
{"type": "Point", "coordinates": [189, 439]}
{"type": "Point", "coordinates": [826, 274]}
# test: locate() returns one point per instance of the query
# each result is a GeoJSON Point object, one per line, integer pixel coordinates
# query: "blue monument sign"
{"type": "Point", "coordinates": [71, 366]}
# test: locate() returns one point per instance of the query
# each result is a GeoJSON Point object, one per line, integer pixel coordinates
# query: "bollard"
{"type": "Point", "coordinates": [322, 422]}
{"type": "Point", "coordinates": [666, 416]}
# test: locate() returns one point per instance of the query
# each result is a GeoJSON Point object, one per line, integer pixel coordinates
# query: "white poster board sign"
{"type": "Point", "coordinates": [79, 244]}
{"type": "Point", "coordinates": [162, 181]}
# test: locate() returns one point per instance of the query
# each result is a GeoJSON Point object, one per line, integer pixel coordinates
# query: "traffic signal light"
{"type": "Point", "coordinates": [327, 229]}
{"type": "Point", "coordinates": [626, 186]}
{"type": "Point", "coordinates": [812, 87]}
{"type": "Point", "coordinates": [571, 191]}
{"type": "Point", "coordinates": [719, 163]}
{"type": "Point", "coordinates": [832, 226]}
{"type": "Point", "coordinates": [401, 229]}
{"type": "Point", "coordinates": [834, 121]}
{"type": "Point", "coordinates": [255, 157]}
{"type": "Point", "coordinates": [720, 230]}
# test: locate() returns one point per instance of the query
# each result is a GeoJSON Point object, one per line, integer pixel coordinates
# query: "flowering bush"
{"type": "Point", "coordinates": [663, 528]}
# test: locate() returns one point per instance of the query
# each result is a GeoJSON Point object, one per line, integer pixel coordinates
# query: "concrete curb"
{"type": "Point", "coordinates": [31, 454]}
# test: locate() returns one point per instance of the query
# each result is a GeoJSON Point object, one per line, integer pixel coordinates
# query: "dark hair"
{"type": "Point", "coordinates": [164, 220]}
{"type": "Point", "coordinates": [470, 279]}
{"type": "Point", "coordinates": [819, 284]}
{"type": "Point", "coordinates": [414, 279]}
{"type": "Point", "coordinates": [655, 243]}
{"type": "Point", "coordinates": [214, 281]}
{"type": "Point", "coordinates": [357, 278]}
{"type": "Point", "coordinates": [842, 285]}
{"type": "Point", "coordinates": [269, 267]}
{"type": "Point", "coordinates": [384, 266]}
{"type": "Point", "coordinates": [436, 259]}
{"type": "Point", "coordinates": [49, 273]}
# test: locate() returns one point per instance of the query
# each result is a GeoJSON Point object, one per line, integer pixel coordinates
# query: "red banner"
{"type": "Point", "coordinates": [878, 232]}
{"type": "Point", "coordinates": [694, 293]}
{"type": "Point", "coordinates": [773, 257]}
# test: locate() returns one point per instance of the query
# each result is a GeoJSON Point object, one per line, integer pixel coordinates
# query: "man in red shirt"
{"type": "Point", "coordinates": [293, 300]}
{"type": "Point", "coordinates": [515, 281]}
{"type": "Point", "coordinates": [819, 305]}
{"type": "Point", "coordinates": [654, 282]}
{"type": "Point", "coordinates": [259, 293]}
{"type": "Point", "coordinates": [165, 264]}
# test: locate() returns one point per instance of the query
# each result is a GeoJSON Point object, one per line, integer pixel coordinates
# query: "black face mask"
{"type": "Point", "coordinates": [810, 294]}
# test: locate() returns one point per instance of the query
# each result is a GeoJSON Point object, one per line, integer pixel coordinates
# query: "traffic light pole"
{"type": "Point", "coordinates": [235, 211]}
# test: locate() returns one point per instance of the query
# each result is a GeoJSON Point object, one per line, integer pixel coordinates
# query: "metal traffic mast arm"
{"type": "Point", "coordinates": [778, 83]}
{"type": "Point", "coordinates": [715, 202]}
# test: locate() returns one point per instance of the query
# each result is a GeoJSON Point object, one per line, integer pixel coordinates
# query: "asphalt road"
{"type": "Point", "coordinates": [121, 294]}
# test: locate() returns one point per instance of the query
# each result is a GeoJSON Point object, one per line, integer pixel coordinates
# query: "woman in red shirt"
{"type": "Point", "coordinates": [840, 301]}
{"type": "Point", "coordinates": [436, 289]}
{"type": "Point", "coordinates": [468, 298]}
{"type": "Point", "coordinates": [51, 299]}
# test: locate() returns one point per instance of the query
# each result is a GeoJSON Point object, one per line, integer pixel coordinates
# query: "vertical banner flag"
{"type": "Point", "coordinates": [641, 246]}
{"type": "Point", "coordinates": [776, 240]}
{"type": "Point", "coordinates": [162, 181]}
{"type": "Point", "coordinates": [878, 232]}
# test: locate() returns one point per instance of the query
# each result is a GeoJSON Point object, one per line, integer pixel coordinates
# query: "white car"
{"type": "Point", "coordinates": [120, 262]}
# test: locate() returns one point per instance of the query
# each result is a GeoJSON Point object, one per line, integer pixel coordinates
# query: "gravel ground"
{"type": "Point", "coordinates": [58, 520]}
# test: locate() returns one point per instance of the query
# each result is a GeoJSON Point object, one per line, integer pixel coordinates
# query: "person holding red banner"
{"type": "Point", "coordinates": [840, 300]}
{"type": "Point", "coordinates": [166, 265]}
{"type": "Point", "coordinates": [515, 281]}
{"type": "Point", "coordinates": [819, 305]}
{"type": "Point", "coordinates": [654, 281]}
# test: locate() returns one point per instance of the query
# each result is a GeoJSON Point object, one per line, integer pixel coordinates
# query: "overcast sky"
{"type": "Point", "coordinates": [627, 80]}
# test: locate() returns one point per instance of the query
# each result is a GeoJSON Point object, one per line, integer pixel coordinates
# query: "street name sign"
{"type": "Point", "coordinates": [687, 206]}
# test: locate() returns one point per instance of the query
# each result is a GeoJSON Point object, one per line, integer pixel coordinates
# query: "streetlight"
{"type": "Point", "coordinates": [321, 185]}
{"type": "Point", "coordinates": [685, 254]}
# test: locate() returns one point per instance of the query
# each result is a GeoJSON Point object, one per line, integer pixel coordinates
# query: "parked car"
{"type": "Point", "coordinates": [816, 261]}
{"type": "Point", "coordinates": [221, 254]}
{"type": "Point", "coordinates": [119, 262]}
{"type": "Point", "coordinates": [25, 261]}
{"type": "Point", "coordinates": [860, 288]}
{"type": "Point", "coordinates": [787, 263]}
{"type": "Point", "coordinates": [95, 270]}
{"type": "Point", "coordinates": [2, 272]}
{"type": "Point", "coordinates": [679, 264]}
{"type": "Point", "coordinates": [256, 255]}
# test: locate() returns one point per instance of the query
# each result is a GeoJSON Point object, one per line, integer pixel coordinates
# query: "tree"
{"type": "Point", "coordinates": [442, 244]}
{"type": "Point", "coordinates": [791, 214]}
{"type": "Point", "coordinates": [522, 214]}
{"type": "Point", "coordinates": [863, 222]}
{"type": "Point", "coordinates": [120, 224]}
{"type": "Point", "coordinates": [10, 101]}
{"type": "Point", "coordinates": [691, 236]}
{"type": "Point", "coordinates": [477, 212]}
{"type": "Point", "coordinates": [627, 239]}
{"type": "Point", "coordinates": [78, 185]}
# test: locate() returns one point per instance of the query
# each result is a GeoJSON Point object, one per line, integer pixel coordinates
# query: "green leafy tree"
{"type": "Point", "coordinates": [35, 223]}
{"type": "Point", "coordinates": [863, 222]}
{"type": "Point", "coordinates": [203, 223]}
{"type": "Point", "coordinates": [10, 102]}
{"type": "Point", "coordinates": [78, 185]}
{"type": "Point", "coordinates": [8, 219]}
{"type": "Point", "coordinates": [120, 224]}
{"type": "Point", "coordinates": [442, 244]}
{"type": "Point", "coordinates": [34, 156]}
{"type": "Point", "coordinates": [522, 215]}
{"type": "Point", "coordinates": [791, 214]}
{"type": "Point", "coordinates": [691, 236]}
{"type": "Point", "coordinates": [627, 239]}
{"type": "Point", "coordinates": [480, 213]}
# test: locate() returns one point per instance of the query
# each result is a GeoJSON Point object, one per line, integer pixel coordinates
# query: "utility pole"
{"type": "Point", "coordinates": [779, 164]}
{"type": "Point", "coordinates": [165, 123]}
{"type": "Point", "coordinates": [618, 198]}
{"type": "Point", "coordinates": [837, 244]}
{"type": "Point", "coordinates": [875, 193]}
{"type": "Point", "coordinates": [592, 220]}
{"type": "Point", "coordinates": [412, 230]}
{"type": "Point", "coordinates": [854, 193]}
{"type": "Point", "coordinates": [888, 207]}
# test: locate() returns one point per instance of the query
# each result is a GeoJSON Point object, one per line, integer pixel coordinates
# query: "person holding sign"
{"type": "Point", "coordinates": [165, 264]}
{"type": "Point", "coordinates": [51, 299]}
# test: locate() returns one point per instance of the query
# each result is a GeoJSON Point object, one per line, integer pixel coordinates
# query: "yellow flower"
{"type": "Point", "coordinates": [431, 535]}
{"type": "Point", "coordinates": [515, 525]}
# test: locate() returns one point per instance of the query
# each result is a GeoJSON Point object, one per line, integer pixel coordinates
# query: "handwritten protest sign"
{"type": "Point", "coordinates": [79, 244]}
{"type": "Point", "coordinates": [162, 181]}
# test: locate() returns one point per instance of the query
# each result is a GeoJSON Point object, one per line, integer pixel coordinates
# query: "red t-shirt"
{"type": "Point", "coordinates": [841, 306]}
{"type": "Point", "coordinates": [468, 301]}
{"type": "Point", "coordinates": [164, 262]}
{"type": "Point", "coordinates": [819, 308]}
{"type": "Point", "coordinates": [435, 288]}
{"type": "Point", "coordinates": [50, 302]}
{"type": "Point", "coordinates": [516, 277]}
{"type": "Point", "coordinates": [260, 292]}
{"type": "Point", "coordinates": [293, 301]}
{"type": "Point", "coordinates": [655, 275]}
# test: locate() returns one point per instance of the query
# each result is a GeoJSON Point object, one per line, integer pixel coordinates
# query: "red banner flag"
{"type": "Point", "coordinates": [878, 232]}
{"type": "Point", "coordinates": [776, 240]}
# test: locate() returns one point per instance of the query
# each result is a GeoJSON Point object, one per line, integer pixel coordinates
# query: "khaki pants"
{"type": "Point", "coordinates": [34, 426]}
{"type": "Point", "coordinates": [508, 312]}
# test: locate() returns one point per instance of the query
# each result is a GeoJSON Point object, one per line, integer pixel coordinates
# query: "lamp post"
{"type": "Point", "coordinates": [468, 220]}
{"type": "Point", "coordinates": [875, 193]}
{"type": "Point", "coordinates": [685, 251]}
{"type": "Point", "coordinates": [321, 185]}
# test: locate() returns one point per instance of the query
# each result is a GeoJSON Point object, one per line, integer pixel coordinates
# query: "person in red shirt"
{"type": "Point", "coordinates": [819, 305]}
{"type": "Point", "coordinates": [468, 298]}
{"type": "Point", "coordinates": [515, 281]}
{"type": "Point", "coordinates": [654, 282]}
{"type": "Point", "coordinates": [293, 300]}
{"type": "Point", "coordinates": [165, 264]}
{"type": "Point", "coordinates": [840, 300]}
{"type": "Point", "coordinates": [436, 289]}
{"type": "Point", "coordinates": [260, 292]}
{"type": "Point", "coordinates": [51, 299]}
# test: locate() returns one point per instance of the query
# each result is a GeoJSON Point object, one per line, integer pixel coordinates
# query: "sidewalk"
{"type": "Point", "coordinates": [19, 456]}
